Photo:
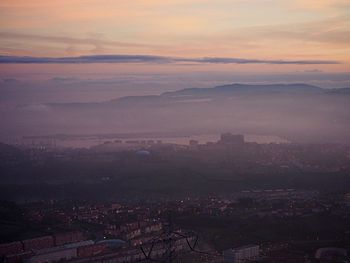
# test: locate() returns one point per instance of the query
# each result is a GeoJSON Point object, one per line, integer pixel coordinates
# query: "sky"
{"type": "Point", "coordinates": [312, 30]}
{"type": "Point", "coordinates": [99, 50]}
{"type": "Point", "coordinates": [141, 46]}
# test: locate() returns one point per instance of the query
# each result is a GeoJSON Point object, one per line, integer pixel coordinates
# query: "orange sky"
{"type": "Point", "coordinates": [249, 29]}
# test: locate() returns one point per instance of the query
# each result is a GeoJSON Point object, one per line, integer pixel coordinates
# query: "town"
{"type": "Point", "coordinates": [212, 207]}
{"type": "Point", "coordinates": [209, 229]}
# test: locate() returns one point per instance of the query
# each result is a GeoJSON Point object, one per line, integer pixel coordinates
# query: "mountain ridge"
{"type": "Point", "coordinates": [300, 111]}
{"type": "Point", "coordinates": [220, 91]}
{"type": "Point", "coordinates": [248, 88]}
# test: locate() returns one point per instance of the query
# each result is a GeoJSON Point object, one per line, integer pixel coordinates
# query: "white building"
{"type": "Point", "coordinates": [241, 254]}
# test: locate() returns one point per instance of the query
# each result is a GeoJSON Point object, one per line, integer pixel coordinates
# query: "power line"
{"type": "Point", "coordinates": [168, 240]}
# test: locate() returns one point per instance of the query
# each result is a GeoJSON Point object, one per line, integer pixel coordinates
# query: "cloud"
{"type": "Point", "coordinates": [259, 61]}
{"type": "Point", "coordinates": [63, 79]}
{"type": "Point", "coordinates": [320, 4]}
{"type": "Point", "coordinates": [313, 71]}
{"type": "Point", "coordinates": [9, 80]}
{"type": "Point", "coordinates": [94, 41]}
{"type": "Point", "coordinates": [151, 59]}
{"type": "Point", "coordinates": [333, 30]}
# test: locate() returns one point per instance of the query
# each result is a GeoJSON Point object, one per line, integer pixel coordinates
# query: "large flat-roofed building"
{"type": "Point", "coordinates": [229, 138]}
{"type": "Point", "coordinates": [61, 253]}
{"type": "Point", "coordinates": [242, 254]}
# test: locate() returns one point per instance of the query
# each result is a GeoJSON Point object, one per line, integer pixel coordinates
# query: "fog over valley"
{"type": "Point", "coordinates": [175, 131]}
{"type": "Point", "coordinates": [295, 112]}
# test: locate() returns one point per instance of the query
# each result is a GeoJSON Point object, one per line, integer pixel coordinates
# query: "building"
{"type": "Point", "coordinates": [331, 254]}
{"type": "Point", "coordinates": [54, 254]}
{"type": "Point", "coordinates": [193, 143]}
{"type": "Point", "coordinates": [11, 248]}
{"type": "Point", "coordinates": [70, 237]}
{"type": "Point", "coordinates": [229, 138]}
{"type": "Point", "coordinates": [241, 254]}
{"type": "Point", "coordinates": [38, 243]}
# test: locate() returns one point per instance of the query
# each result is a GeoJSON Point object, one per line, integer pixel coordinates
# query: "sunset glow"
{"type": "Point", "coordinates": [253, 29]}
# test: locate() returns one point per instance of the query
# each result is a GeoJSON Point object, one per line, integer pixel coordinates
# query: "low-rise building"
{"type": "Point", "coordinates": [241, 254]}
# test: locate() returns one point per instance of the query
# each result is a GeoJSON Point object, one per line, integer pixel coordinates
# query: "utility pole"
{"type": "Point", "coordinates": [169, 239]}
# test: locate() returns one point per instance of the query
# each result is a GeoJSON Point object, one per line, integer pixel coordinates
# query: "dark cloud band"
{"type": "Point", "coordinates": [151, 59]}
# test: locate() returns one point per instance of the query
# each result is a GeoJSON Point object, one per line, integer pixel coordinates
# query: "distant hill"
{"type": "Point", "coordinates": [298, 112]}
{"type": "Point", "coordinates": [215, 92]}
{"type": "Point", "coordinates": [219, 92]}
{"type": "Point", "coordinates": [233, 89]}
{"type": "Point", "coordinates": [343, 91]}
